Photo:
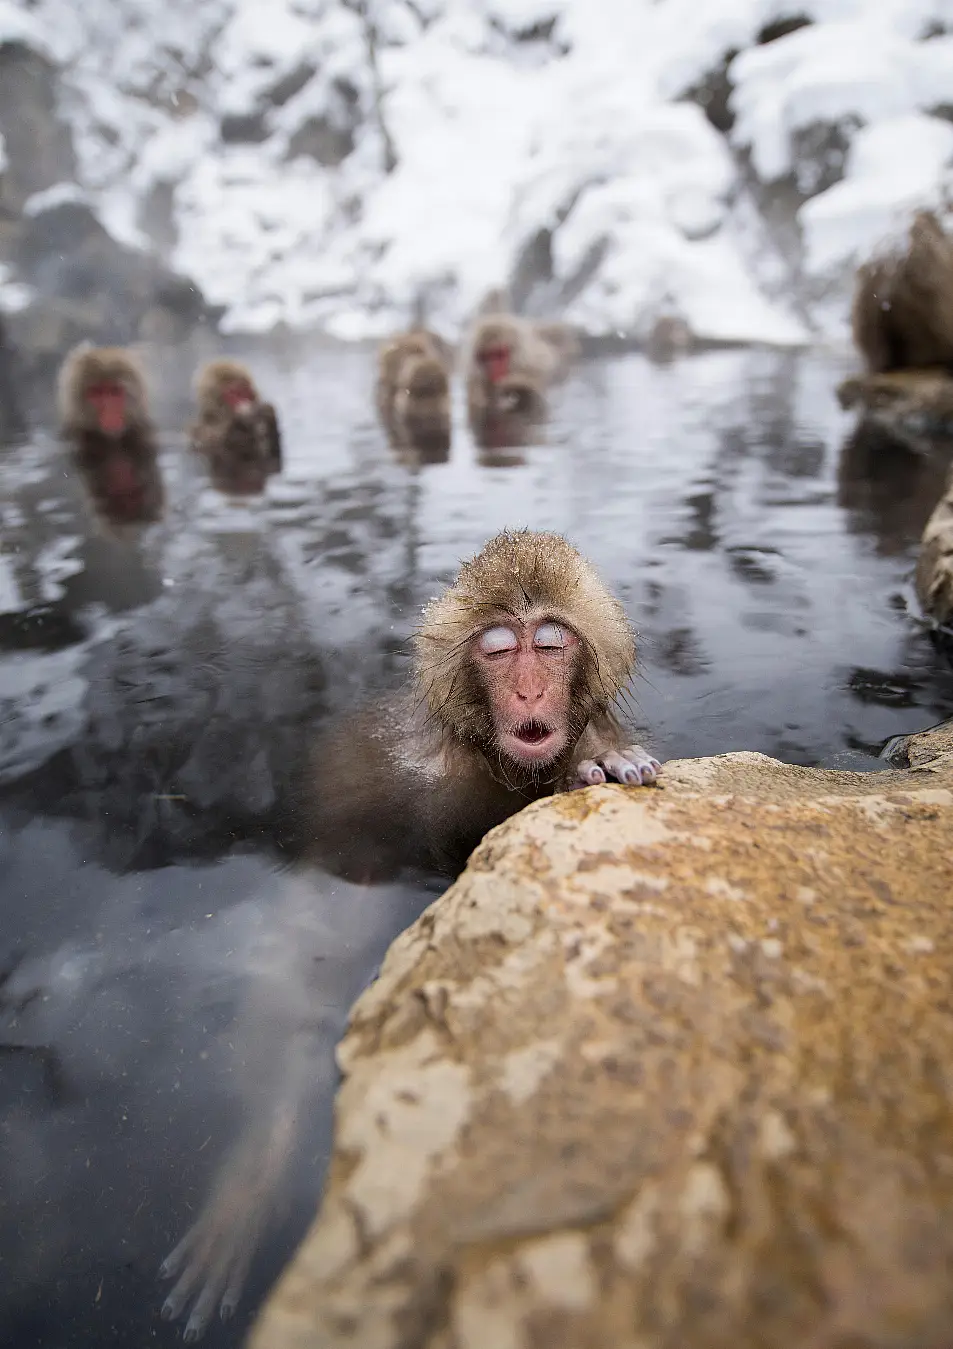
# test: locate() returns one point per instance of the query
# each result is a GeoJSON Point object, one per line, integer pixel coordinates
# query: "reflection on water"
{"type": "Point", "coordinates": [157, 692]}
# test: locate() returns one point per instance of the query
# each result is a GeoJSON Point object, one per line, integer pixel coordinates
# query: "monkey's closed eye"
{"type": "Point", "coordinates": [495, 640]}
{"type": "Point", "coordinates": [549, 636]}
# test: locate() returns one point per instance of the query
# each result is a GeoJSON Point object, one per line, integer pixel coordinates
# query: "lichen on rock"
{"type": "Point", "coordinates": [935, 563]}
{"type": "Point", "coordinates": [662, 1068]}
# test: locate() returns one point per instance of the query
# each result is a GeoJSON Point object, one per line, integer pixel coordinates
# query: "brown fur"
{"type": "Point", "coordinates": [669, 337]}
{"type": "Point", "coordinates": [242, 446]}
{"type": "Point", "coordinates": [119, 470]}
{"type": "Point", "coordinates": [420, 416]}
{"type": "Point", "coordinates": [541, 353]}
{"type": "Point", "coordinates": [512, 415]}
{"type": "Point", "coordinates": [143, 500]}
{"type": "Point", "coordinates": [88, 365]}
{"type": "Point", "coordinates": [413, 388]}
{"type": "Point", "coordinates": [912, 407]}
{"type": "Point", "coordinates": [902, 314]}
{"type": "Point", "coordinates": [418, 781]}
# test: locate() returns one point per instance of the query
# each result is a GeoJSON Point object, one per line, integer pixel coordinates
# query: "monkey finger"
{"type": "Point", "coordinates": [207, 1300]}
{"type": "Point", "coordinates": [236, 1282]}
{"type": "Point", "coordinates": [648, 767]}
{"type": "Point", "coordinates": [632, 766]}
{"type": "Point", "coordinates": [177, 1258]}
{"type": "Point", "coordinates": [589, 774]}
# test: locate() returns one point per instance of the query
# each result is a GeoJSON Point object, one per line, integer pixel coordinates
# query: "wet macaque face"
{"type": "Point", "coordinates": [107, 398]}
{"type": "Point", "coordinates": [494, 358]}
{"type": "Point", "coordinates": [239, 395]}
{"type": "Point", "coordinates": [527, 669]}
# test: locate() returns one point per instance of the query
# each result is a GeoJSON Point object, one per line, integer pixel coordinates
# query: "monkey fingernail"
{"type": "Point", "coordinates": [632, 777]}
{"type": "Point", "coordinates": [169, 1310]}
{"type": "Point", "coordinates": [227, 1310]}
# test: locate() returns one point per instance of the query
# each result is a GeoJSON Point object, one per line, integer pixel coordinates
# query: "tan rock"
{"type": "Point", "coordinates": [926, 750]}
{"type": "Point", "coordinates": [935, 563]}
{"type": "Point", "coordinates": [664, 1070]}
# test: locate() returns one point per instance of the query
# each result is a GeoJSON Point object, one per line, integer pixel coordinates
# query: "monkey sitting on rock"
{"type": "Point", "coordinates": [519, 668]}
{"type": "Point", "coordinates": [236, 431]}
{"type": "Point", "coordinates": [902, 322]}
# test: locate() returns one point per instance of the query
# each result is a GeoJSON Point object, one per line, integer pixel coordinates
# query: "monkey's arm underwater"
{"type": "Point", "coordinates": [323, 947]}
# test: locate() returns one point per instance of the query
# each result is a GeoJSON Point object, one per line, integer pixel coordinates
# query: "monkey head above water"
{"type": "Point", "coordinates": [519, 668]}
{"type": "Point", "coordinates": [235, 430]}
{"type": "Point", "coordinates": [101, 395]}
{"type": "Point", "coordinates": [413, 394]}
{"type": "Point", "coordinates": [104, 413]}
{"type": "Point", "coordinates": [421, 413]}
{"type": "Point", "coordinates": [504, 347]}
{"type": "Point", "coordinates": [525, 654]}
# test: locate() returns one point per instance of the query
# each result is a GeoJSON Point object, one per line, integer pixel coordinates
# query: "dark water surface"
{"type": "Point", "coordinates": [156, 698]}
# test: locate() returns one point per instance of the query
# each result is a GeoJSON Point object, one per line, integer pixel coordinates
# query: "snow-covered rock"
{"type": "Point", "coordinates": [320, 162]}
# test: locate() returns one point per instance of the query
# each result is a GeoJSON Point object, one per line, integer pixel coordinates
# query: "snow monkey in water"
{"type": "Point", "coordinates": [413, 394]}
{"type": "Point", "coordinates": [520, 665]}
{"type": "Point", "coordinates": [902, 322]}
{"type": "Point", "coordinates": [512, 417]}
{"type": "Point", "coordinates": [502, 346]}
{"type": "Point", "coordinates": [104, 412]}
{"type": "Point", "coordinates": [235, 430]}
{"type": "Point", "coordinates": [902, 314]}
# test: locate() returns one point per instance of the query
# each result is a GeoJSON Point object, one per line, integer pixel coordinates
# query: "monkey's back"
{"type": "Point", "coordinates": [902, 315]}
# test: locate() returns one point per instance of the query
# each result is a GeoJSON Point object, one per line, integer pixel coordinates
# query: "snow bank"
{"type": "Point", "coordinates": [275, 126]}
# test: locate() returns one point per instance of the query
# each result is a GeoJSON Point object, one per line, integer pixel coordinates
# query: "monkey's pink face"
{"type": "Point", "coordinates": [494, 357]}
{"type": "Point", "coordinates": [527, 670]}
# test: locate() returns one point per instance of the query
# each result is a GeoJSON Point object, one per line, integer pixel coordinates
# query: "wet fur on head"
{"type": "Point", "coordinates": [214, 377]}
{"type": "Point", "coordinates": [87, 365]}
{"type": "Point", "coordinates": [515, 573]}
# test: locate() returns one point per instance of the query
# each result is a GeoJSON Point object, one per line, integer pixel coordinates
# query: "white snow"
{"type": "Point", "coordinates": [507, 118]}
{"type": "Point", "coordinates": [60, 194]}
{"type": "Point", "coordinates": [893, 166]}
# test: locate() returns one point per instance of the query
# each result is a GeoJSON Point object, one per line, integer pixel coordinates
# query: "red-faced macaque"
{"type": "Point", "coordinates": [413, 394]}
{"type": "Point", "coordinates": [104, 413]}
{"type": "Point", "coordinates": [503, 346]}
{"type": "Point", "coordinates": [519, 668]}
{"type": "Point", "coordinates": [235, 430]}
{"type": "Point", "coordinates": [512, 415]}
{"type": "Point", "coordinates": [902, 313]}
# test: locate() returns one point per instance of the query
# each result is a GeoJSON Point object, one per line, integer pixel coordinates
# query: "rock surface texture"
{"type": "Point", "coordinates": [935, 563]}
{"type": "Point", "coordinates": [664, 1068]}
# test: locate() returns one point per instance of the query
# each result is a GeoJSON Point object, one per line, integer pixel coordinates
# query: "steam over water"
{"type": "Point", "coordinates": [157, 696]}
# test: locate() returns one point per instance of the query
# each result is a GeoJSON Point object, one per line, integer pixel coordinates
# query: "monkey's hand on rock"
{"type": "Point", "coordinates": [211, 1261]}
{"type": "Point", "coordinates": [632, 766]}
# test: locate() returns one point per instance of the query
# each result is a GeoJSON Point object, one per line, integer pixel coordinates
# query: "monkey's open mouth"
{"type": "Point", "coordinates": [531, 733]}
